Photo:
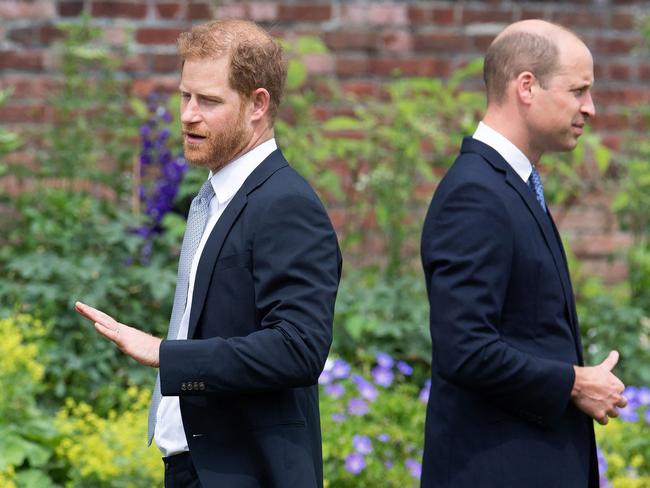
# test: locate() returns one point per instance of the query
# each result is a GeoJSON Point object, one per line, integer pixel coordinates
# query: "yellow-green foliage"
{"type": "Point", "coordinates": [625, 446]}
{"type": "Point", "coordinates": [110, 451]}
{"type": "Point", "coordinates": [21, 371]}
{"type": "Point", "coordinates": [6, 478]}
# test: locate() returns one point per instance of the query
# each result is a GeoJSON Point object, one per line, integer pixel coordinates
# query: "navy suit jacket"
{"type": "Point", "coordinates": [505, 337]}
{"type": "Point", "coordinates": [259, 334]}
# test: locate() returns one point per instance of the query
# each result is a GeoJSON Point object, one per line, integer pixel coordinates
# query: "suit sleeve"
{"type": "Point", "coordinates": [296, 271]}
{"type": "Point", "coordinates": [467, 251]}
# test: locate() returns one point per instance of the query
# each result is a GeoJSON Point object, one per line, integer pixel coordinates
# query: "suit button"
{"type": "Point", "coordinates": [196, 385]}
{"type": "Point", "coordinates": [201, 386]}
{"type": "Point", "coordinates": [189, 387]}
{"type": "Point", "coordinates": [183, 387]}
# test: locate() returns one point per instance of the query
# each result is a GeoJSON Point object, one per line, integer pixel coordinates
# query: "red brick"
{"type": "Point", "coordinates": [29, 86]}
{"type": "Point", "coordinates": [23, 60]}
{"type": "Point", "coordinates": [616, 45]}
{"type": "Point", "coordinates": [18, 9]}
{"type": "Point", "coordinates": [129, 10]}
{"type": "Point", "coordinates": [303, 12]}
{"type": "Point", "coordinates": [157, 35]}
{"type": "Point", "coordinates": [440, 42]}
{"type": "Point", "coordinates": [162, 84]}
{"type": "Point", "coordinates": [25, 36]}
{"type": "Point", "coordinates": [610, 121]}
{"type": "Point", "coordinates": [484, 15]}
{"type": "Point", "coordinates": [164, 63]}
{"type": "Point", "coordinates": [431, 15]}
{"type": "Point", "coordinates": [611, 272]}
{"type": "Point", "coordinates": [644, 72]}
{"type": "Point", "coordinates": [350, 40]}
{"type": "Point", "coordinates": [409, 67]}
{"type": "Point", "coordinates": [364, 88]}
{"type": "Point", "coordinates": [168, 10]}
{"type": "Point", "coordinates": [348, 66]}
{"type": "Point", "coordinates": [482, 42]}
{"type": "Point", "coordinates": [580, 18]}
{"type": "Point", "coordinates": [397, 41]}
{"type": "Point", "coordinates": [319, 63]}
{"type": "Point", "coordinates": [387, 14]}
{"type": "Point", "coordinates": [600, 244]}
{"type": "Point", "coordinates": [25, 113]}
{"type": "Point", "coordinates": [201, 11]}
{"type": "Point", "coordinates": [532, 13]}
{"type": "Point", "coordinates": [263, 11]}
{"type": "Point", "coordinates": [49, 34]}
{"type": "Point", "coordinates": [623, 21]}
{"type": "Point", "coordinates": [70, 8]}
{"type": "Point", "coordinates": [620, 72]}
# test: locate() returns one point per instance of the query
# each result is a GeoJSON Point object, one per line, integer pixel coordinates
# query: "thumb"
{"type": "Point", "coordinates": [610, 361]}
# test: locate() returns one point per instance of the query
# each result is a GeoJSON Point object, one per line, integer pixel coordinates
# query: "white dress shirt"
{"type": "Point", "coordinates": [169, 434]}
{"type": "Point", "coordinates": [508, 151]}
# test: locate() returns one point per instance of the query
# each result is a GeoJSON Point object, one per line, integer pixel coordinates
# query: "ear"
{"type": "Point", "coordinates": [260, 100]}
{"type": "Point", "coordinates": [526, 86]}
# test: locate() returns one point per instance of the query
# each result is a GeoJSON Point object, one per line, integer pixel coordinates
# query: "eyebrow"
{"type": "Point", "coordinates": [203, 96]}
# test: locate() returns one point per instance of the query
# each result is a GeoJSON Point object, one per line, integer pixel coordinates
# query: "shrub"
{"type": "Point", "coordinates": [109, 451]}
{"type": "Point", "coordinates": [372, 423]}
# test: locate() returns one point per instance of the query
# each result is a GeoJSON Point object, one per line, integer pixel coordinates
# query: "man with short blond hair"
{"type": "Point", "coordinates": [236, 401]}
{"type": "Point", "coordinates": [511, 404]}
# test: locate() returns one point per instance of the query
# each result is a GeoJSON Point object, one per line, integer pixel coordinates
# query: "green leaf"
{"type": "Point", "coordinates": [33, 478]}
{"type": "Point", "coordinates": [13, 451]}
{"type": "Point", "coordinates": [342, 123]}
{"type": "Point", "coordinates": [296, 74]}
{"type": "Point", "coordinates": [310, 45]}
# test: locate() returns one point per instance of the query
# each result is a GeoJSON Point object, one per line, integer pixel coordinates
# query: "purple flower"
{"type": "Point", "coordinates": [355, 463]}
{"type": "Point", "coordinates": [335, 390]}
{"type": "Point", "coordinates": [602, 469]}
{"type": "Point", "coordinates": [643, 395]}
{"type": "Point", "coordinates": [362, 444]}
{"type": "Point", "coordinates": [338, 417]}
{"type": "Point", "coordinates": [383, 437]}
{"type": "Point", "coordinates": [356, 406]}
{"type": "Point", "coordinates": [340, 369]}
{"type": "Point", "coordinates": [366, 389]}
{"type": "Point", "coordinates": [629, 413]}
{"type": "Point", "coordinates": [325, 377]}
{"type": "Point", "coordinates": [647, 416]}
{"type": "Point", "coordinates": [166, 116]}
{"type": "Point", "coordinates": [145, 130]}
{"type": "Point", "coordinates": [388, 464]}
{"type": "Point", "coordinates": [424, 394]}
{"type": "Point", "coordinates": [404, 368]}
{"type": "Point", "coordinates": [382, 376]}
{"type": "Point", "coordinates": [414, 468]}
{"type": "Point", "coordinates": [384, 360]}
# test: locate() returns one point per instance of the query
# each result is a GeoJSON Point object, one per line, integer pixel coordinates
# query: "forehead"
{"type": "Point", "coordinates": [205, 75]}
{"type": "Point", "coordinates": [576, 64]}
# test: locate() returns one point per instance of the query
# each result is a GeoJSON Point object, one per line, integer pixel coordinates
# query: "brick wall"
{"type": "Point", "coordinates": [367, 41]}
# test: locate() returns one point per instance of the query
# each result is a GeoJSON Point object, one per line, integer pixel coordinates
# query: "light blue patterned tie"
{"type": "Point", "coordinates": [535, 184]}
{"type": "Point", "coordinates": [196, 221]}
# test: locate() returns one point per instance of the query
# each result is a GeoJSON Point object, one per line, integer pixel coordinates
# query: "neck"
{"type": "Point", "coordinates": [512, 127]}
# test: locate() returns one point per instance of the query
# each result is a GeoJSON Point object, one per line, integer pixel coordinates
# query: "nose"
{"type": "Point", "coordinates": [588, 108]}
{"type": "Point", "coordinates": [190, 112]}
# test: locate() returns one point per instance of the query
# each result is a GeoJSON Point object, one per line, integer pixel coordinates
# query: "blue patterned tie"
{"type": "Point", "coordinates": [535, 184]}
{"type": "Point", "coordinates": [196, 221]}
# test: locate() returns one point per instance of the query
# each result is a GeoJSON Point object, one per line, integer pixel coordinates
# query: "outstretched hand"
{"type": "Point", "coordinates": [597, 391]}
{"type": "Point", "coordinates": [142, 347]}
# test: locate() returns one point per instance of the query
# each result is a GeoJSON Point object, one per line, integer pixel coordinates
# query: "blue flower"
{"type": "Point", "coordinates": [325, 377]}
{"type": "Point", "coordinates": [355, 463]}
{"type": "Point", "coordinates": [366, 389]}
{"type": "Point", "coordinates": [384, 360]}
{"type": "Point", "coordinates": [338, 417]}
{"type": "Point", "coordinates": [643, 396]}
{"type": "Point", "coordinates": [404, 368]}
{"type": "Point", "coordinates": [356, 406]}
{"type": "Point", "coordinates": [424, 394]}
{"type": "Point", "coordinates": [414, 468]}
{"type": "Point", "coordinates": [340, 369]}
{"type": "Point", "coordinates": [629, 413]}
{"type": "Point", "coordinates": [382, 376]}
{"type": "Point", "coordinates": [335, 390]}
{"type": "Point", "coordinates": [383, 437]}
{"type": "Point", "coordinates": [362, 444]}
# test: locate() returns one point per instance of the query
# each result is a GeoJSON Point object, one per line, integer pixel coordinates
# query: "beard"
{"type": "Point", "coordinates": [218, 148]}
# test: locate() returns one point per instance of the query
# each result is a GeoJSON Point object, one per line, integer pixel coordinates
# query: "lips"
{"type": "Point", "coordinates": [193, 137]}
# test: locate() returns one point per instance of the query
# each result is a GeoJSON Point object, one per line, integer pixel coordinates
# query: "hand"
{"type": "Point", "coordinates": [597, 391]}
{"type": "Point", "coordinates": [142, 347]}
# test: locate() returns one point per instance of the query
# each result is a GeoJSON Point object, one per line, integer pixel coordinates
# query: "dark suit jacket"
{"type": "Point", "coordinates": [505, 336]}
{"type": "Point", "coordinates": [259, 334]}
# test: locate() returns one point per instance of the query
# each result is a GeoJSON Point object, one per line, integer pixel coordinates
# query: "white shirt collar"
{"type": "Point", "coordinates": [229, 179]}
{"type": "Point", "coordinates": [508, 151]}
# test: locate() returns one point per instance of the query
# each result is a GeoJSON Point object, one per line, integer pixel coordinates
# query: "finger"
{"type": "Point", "coordinates": [111, 333]}
{"type": "Point", "coordinates": [93, 314]}
{"type": "Point", "coordinates": [610, 361]}
{"type": "Point", "coordinates": [603, 420]}
{"type": "Point", "coordinates": [612, 413]}
{"type": "Point", "coordinates": [622, 402]}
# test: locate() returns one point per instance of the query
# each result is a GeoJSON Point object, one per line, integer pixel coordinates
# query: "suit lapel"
{"type": "Point", "coordinates": [543, 220]}
{"type": "Point", "coordinates": [218, 236]}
